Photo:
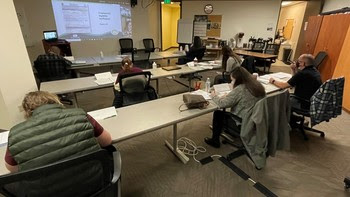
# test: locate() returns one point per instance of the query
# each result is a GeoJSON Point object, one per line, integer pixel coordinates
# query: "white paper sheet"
{"type": "Point", "coordinates": [103, 113]}
{"type": "Point", "coordinates": [104, 78]}
{"type": "Point", "coordinates": [224, 87]}
{"type": "Point", "coordinates": [70, 58]}
{"type": "Point", "coordinates": [205, 94]}
{"type": "Point", "coordinates": [4, 138]}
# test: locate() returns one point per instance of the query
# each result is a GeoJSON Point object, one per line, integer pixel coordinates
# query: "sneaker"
{"type": "Point", "coordinates": [211, 142]}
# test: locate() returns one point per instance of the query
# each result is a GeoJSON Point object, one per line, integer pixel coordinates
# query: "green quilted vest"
{"type": "Point", "coordinates": [51, 134]}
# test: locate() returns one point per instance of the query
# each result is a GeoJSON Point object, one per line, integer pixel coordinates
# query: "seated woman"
{"type": "Point", "coordinates": [245, 93]}
{"type": "Point", "coordinates": [195, 51]}
{"type": "Point", "coordinates": [51, 133]}
{"type": "Point", "coordinates": [127, 67]}
{"type": "Point", "coordinates": [230, 60]}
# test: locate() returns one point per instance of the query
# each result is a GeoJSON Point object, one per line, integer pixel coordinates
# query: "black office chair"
{"type": "Point", "coordinates": [134, 88]}
{"type": "Point", "coordinates": [126, 45]}
{"type": "Point", "coordinates": [258, 46]}
{"type": "Point", "coordinates": [149, 45]}
{"type": "Point", "coordinates": [271, 49]}
{"type": "Point", "coordinates": [140, 58]}
{"type": "Point", "coordinates": [319, 58]}
{"type": "Point", "coordinates": [276, 108]}
{"type": "Point", "coordinates": [93, 174]}
{"type": "Point", "coordinates": [54, 69]}
{"type": "Point", "coordinates": [249, 64]}
{"type": "Point", "coordinates": [304, 110]}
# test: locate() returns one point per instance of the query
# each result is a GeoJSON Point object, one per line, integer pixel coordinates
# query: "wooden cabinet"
{"type": "Point", "coordinates": [330, 39]}
{"type": "Point", "coordinates": [343, 69]}
{"type": "Point", "coordinates": [311, 34]}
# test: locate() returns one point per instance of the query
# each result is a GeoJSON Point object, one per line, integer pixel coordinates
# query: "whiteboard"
{"type": "Point", "coordinates": [184, 31]}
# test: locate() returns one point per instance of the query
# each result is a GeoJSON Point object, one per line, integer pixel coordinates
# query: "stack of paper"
{"type": "Point", "coordinates": [280, 75]}
{"type": "Point", "coordinates": [222, 89]}
{"type": "Point", "coordinates": [205, 94]}
{"type": "Point", "coordinates": [70, 58]}
{"type": "Point", "coordinates": [104, 78]}
{"type": "Point", "coordinates": [103, 113]}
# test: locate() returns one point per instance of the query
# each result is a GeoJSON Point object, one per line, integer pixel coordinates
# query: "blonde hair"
{"type": "Point", "coordinates": [33, 100]}
{"type": "Point", "coordinates": [127, 64]}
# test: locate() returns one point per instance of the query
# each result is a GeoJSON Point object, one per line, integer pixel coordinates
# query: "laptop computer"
{"type": "Point", "coordinates": [169, 68]}
{"type": "Point", "coordinates": [50, 35]}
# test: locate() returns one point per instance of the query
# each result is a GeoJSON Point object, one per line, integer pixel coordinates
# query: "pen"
{"type": "Point", "coordinates": [109, 117]}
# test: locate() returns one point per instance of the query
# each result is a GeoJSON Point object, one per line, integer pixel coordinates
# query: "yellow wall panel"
{"type": "Point", "coordinates": [343, 69]}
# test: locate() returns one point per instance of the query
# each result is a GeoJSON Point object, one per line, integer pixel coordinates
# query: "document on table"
{"type": "Point", "coordinates": [70, 58]}
{"type": "Point", "coordinates": [205, 94]}
{"type": "Point", "coordinates": [280, 75]}
{"type": "Point", "coordinates": [104, 78]}
{"type": "Point", "coordinates": [222, 89]}
{"type": "Point", "coordinates": [4, 138]}
{"type": "Point", "coordinates": [103, 113]}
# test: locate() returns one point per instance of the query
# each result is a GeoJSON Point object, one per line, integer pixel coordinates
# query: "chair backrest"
{"type": "Point", "coordinates": [272, 49]}
{"type": "Point", "coordinates": [92, 174]}
{"type": "Point", "coordinates": [249, 64]}
{"type": "Point", "coordinates": [126, 45]}
{"type": "Point", "coordinates": [140, 58]}
{"type": "Point", "coordinates": [135, 88]}
{"type": "Point", "coordinates": [149, 44]}
{"type": "Point", "coordinates": [319, 58]}
{"type": "Point", "coordinates": [258, 46]}
{"type": "Point", "coordinates": [52, 69]}
{"type": "Point", "coordinates": [327, 101]}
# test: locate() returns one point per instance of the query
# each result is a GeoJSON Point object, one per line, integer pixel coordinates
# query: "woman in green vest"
{"type": "Point", "coordinates": [51, 133]}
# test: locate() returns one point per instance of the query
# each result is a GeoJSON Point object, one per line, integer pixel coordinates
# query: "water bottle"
{"type": "Point", "coordinates": [154, 65]}
{"type": "Point", "coordinates": [195, 61]}
{"type": "Point", "coordinates": [181, 48]}
{"type": "Point", "coordinates": [207, 85]}
{"type": "Point", "coordinates": [101, 54]}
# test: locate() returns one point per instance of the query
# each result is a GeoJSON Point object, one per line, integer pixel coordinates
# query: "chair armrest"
{"type": "Point", "coordinates": [117, 166]}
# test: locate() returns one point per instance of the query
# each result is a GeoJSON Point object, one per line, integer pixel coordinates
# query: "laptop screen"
{"type": "Point", "coordinates": [50, 35]}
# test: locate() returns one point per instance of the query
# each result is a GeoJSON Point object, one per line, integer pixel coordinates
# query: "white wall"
{"type": "Point", "coordinates": [295, 12]}
{"type": "Point", "coordinates": [39, 15]}
{"type": "Point", "coordinates": [331, 5]}
{"type": "Point", "coordinates": [250, 17]}
{"type": "Point", "coordinates": [16, 76]}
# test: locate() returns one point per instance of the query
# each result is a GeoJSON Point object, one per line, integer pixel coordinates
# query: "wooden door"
{"type": "Point", "coordinates": [330, 39]}
{"type": "Point", "coordinates": [311, 34]}
{"type": "Point", "coordinates": [343, 69]}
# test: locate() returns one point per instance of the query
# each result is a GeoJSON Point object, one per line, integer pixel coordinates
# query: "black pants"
{"type": "Point", "coordinates": [118, 99]}
{"type": "Point", "coordinates": [223, 119]}
{"type": "Point", "coordinates": [220, 79]}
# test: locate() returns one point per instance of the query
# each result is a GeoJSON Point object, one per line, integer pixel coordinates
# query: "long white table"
{"type": "Point", "coordinates": [150, 116]}
{"type": "Point", "coordinates": [110, 61]}
{"type": "Point", "coordinates": [88, 83]}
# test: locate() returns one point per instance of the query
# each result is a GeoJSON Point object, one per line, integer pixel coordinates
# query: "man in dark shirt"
{"type": "Point", "coordinates": [306, 79]}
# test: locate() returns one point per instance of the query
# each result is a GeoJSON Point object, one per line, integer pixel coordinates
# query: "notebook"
{"type": "Point", "coordinates": [169, 68]}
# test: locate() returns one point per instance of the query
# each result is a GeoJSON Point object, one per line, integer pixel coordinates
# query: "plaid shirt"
{"type": "Point", "coordinates": [327, 101]}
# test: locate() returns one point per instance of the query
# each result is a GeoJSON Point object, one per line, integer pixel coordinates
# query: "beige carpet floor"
{"type": "Point", "coordinates": [311, 168]}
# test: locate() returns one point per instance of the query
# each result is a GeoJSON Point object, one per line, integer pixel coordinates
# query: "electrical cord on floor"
{"type": "Point", "coordinates": [190, 148]}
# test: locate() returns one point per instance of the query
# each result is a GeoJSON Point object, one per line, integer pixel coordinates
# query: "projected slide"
{"type": "Point", "coordinates": [78, 20]}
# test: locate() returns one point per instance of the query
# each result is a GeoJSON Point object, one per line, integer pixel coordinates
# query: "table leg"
{"type": "Point", "coordinates": [174, 148]}
{"type": "Point", "coordinates": [157, 85]}
{"type": "Point", "coordinates": [75, 100]}
{"type": "Point", "coordinates": [168, 61]}
{"type": "Point", "coordinates": [190, 83]}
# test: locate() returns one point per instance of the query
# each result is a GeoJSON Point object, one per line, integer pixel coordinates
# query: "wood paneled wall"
{"type": "Point", "coordinates": [343, 69]}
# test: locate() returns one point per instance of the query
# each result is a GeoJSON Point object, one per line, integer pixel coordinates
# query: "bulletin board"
{"type": "Point", "coordinates": [207, 25]}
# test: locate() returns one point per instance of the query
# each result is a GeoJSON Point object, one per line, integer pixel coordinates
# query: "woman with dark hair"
{"type": "Point", "coordinates": [245, 93]}
{"type": "Point", "coordinates": [230, 60]}
{"type": "Point", "coordinates": [196, 51]}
